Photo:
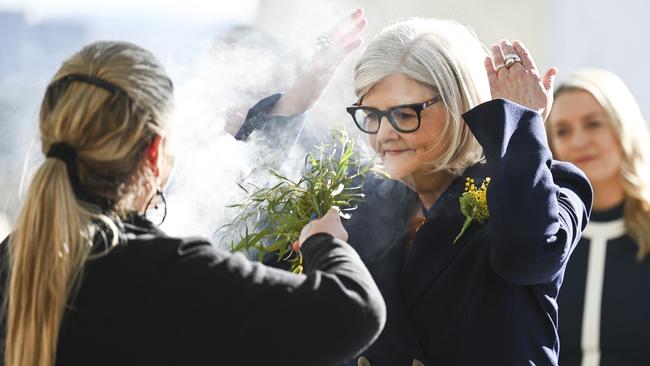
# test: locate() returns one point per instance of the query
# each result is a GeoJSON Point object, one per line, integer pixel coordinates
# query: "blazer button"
{"type": "Point", "coordinates": [362, 361]}
{"type": "Point", "coordinates": [417, 362]}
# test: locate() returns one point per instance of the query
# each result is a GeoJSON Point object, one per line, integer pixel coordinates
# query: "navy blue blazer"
{"type": "Point", "coordinates": [489, 299]}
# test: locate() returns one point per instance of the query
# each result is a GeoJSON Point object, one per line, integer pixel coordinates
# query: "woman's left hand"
{"type": "Point", "coordinates": [519, 81]}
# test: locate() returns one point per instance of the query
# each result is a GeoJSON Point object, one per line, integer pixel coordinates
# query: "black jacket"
{"type": "Point", "coordinates": [158, 300]}
{"type": "Point", "coordinates": [605, 299]}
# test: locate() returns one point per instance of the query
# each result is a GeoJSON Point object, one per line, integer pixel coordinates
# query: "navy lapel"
{"type": "Point", "coordinates": [398, 328]}
{"type": "Point", "coordinates": [377, 231]}
{"type": "Point", "coordinates": [432, 250]}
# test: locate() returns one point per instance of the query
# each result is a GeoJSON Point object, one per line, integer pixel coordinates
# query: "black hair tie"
{"type": "Point", "coordinates": [64, 152]}
{"type": "Point", "coordinates": [106, 85]}
{"type": "Point", "coordinates": [68, 154]}
{"type": "Point", "coordinates": [94, 81]}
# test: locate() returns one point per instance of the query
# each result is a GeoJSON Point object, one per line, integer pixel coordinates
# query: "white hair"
{"type": "Point", "coordinates": [445, 55]}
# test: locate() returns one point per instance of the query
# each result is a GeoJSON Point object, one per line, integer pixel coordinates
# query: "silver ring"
{"type": "Point", "coordinates": [512, 55]}
{"type": "Point", "coordinates": [323, 41]}
{"type": "Point", "coordinates": [511, 59]}
{"type": "Point", "coordinates": [496, 69]}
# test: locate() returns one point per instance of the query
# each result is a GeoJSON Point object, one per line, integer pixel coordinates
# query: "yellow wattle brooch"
{"type": "Point", "coordinates": [473, 204]}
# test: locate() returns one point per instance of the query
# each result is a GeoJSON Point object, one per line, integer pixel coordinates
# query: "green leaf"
{"type": "Point", "coordinates": [466, 224]}
{"type": "Point", "coordinates": [466, 204]}
{"type": "Point", "coordinates": [275, 213]}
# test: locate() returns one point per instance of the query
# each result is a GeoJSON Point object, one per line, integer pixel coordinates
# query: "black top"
{"type": "Point", "coordinates": [159, 300]}
{"type": "Point", "coordinates": [605, 300]}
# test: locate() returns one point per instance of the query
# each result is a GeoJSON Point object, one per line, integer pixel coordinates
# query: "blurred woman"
{"type": "Point", "coordinates": [88, 280]}
{"type": "Point", "coordinates": [596, 124]}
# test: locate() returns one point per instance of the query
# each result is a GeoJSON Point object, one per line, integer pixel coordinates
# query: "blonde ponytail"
{"type": "Point", "coordinates": [46, 254]}
{"type": "Point", "coordinates": [56, 229]}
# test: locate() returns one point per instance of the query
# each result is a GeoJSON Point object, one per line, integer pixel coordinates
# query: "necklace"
{"type": "Point", "coordinates": [420, 220]}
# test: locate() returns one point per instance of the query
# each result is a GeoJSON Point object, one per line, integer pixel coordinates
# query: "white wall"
{"type": "Point", "coordinates": [4, 227]}
{"type": "Point", "coordinates": [606, 34]}
{"type": "Point", "coordinates": [569, 34]}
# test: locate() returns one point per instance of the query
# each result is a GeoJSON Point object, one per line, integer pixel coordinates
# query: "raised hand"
{"type": "Point", "coordinates": [513, 75]}
{"type": "Point", "coordinates": [332, 49]}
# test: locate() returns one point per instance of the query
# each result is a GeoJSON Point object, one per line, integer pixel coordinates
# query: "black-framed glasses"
{"type": "Point", "coordinates": [404, 118]}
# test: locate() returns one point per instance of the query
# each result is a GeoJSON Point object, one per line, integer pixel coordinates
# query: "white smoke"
{"type": "Point", "coordinates": [218, 76]}
{"type": "Point", "coordinates": [5, 227]}
{"type": "Point", "coordinates": [242, 67]}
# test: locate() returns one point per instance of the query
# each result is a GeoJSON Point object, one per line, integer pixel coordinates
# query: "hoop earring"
{"type": "Point", "coordinates": [160, 194]}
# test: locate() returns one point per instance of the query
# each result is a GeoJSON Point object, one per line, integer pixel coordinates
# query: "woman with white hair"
{"type": "Point", "coordinates": [597, 124]}
{"type": "Point", "coordinates": [471, 281]}
{"type": "Point", "coordinates": [475, 280]}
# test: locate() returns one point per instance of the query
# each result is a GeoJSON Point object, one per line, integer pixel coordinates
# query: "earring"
{"type": "Point", "coordinates": [162, 201]}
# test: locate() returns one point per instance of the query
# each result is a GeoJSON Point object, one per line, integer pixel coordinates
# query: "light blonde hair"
{"type": "Point", "coordinates": [55, 230]}
{"type": "Point", "coordinates": [442, 54]}
{"type": "Point", "coordinates": [628, 123]}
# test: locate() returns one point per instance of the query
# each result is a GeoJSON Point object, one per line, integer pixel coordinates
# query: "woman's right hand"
{"type": "Point", "coordinates": [337, 45]}
{"type": "Point", "coordinates": [329, 224]}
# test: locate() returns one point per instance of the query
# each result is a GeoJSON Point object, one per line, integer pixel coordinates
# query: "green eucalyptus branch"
{"type": "Point", "coordinates": [270, 219]}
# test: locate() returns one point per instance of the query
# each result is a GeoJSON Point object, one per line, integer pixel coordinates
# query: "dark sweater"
{"type": "Point", "coordinates": [158, 300]}
{"type": "Point", "coordinates": [605, 300]}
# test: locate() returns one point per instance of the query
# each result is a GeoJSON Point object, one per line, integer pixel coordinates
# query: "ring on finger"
{"type": "Point", "coordinates": [511, 60]}
{"type": "Point", "coordinates": [323, 41]}
{"type": "Point", "coordinates": [513, 56]}
{"type": "Point", "coordinates": [499, 67]}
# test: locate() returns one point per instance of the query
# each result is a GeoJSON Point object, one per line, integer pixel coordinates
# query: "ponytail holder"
{"type": "Point", "coordinates": [64, 152]}
{"type": "Point", "coordinates": [68, 154]}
